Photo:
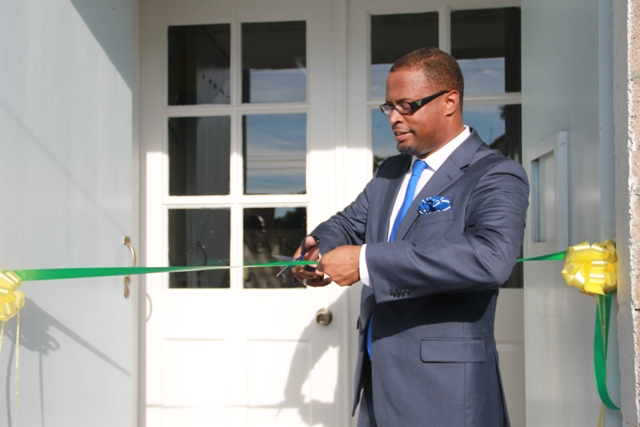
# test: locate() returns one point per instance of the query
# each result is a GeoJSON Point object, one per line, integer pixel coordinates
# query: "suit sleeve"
{"type": "Point", "coordinates": [478, 256]}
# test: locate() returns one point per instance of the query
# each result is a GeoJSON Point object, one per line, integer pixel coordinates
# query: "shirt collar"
{"type": "Point", "coordinates": [435, 160]}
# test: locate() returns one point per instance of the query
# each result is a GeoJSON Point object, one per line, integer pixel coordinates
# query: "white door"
{"type": "Point", "coordinates": [485, 38]}
{"type": "Point", "coordinates": [238, 155]}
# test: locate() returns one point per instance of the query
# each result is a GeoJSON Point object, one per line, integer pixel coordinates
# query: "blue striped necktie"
{"type": "Point", "coordinates": [418, 167]}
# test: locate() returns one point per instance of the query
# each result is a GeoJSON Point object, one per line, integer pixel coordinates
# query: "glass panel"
{"type": "Point", "coordinates": [268, 232]}
{"type": "Point", "coordinates": [199, 64]}
{"type": "Point", "coordinates": [199, 153]}
{"type": "Point", "coordinates": [486, 44]}
{"type": "Point", "coordinates": [274, 62]}
{"type": "Point", "coordinates": [275, 150]}
{"type": "Point", "coordinates": [499, 126]}
{"type": "Point", "coordinates": [545, 200]}
{"type": "Point", "coordinates": [383, 143]}
{"type": "Point", "coordinates": [395, 35]}
{"type": "Point", "coordinates": [199, 237]}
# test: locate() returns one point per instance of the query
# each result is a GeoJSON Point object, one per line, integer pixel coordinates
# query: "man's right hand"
{"type": "Point", "coordinates": [309, 276]}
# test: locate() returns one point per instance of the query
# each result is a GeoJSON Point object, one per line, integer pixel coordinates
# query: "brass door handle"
{"type": "Point", "coordinates": [324, 317]}
{"type": "Point", "coordinates": [126, 240]}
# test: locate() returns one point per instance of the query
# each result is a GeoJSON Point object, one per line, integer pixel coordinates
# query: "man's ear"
{"type": "Point", "coordinates": [452, 102]}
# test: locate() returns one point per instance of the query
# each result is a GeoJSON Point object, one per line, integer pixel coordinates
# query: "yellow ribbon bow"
{"type": "Point", "coordinates": [11, 301]}
{"type": "Point", "coordinates": [591, 268]}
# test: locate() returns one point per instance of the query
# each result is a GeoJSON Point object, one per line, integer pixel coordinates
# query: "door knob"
{"type": "Point", "coordinates": [324, 317]}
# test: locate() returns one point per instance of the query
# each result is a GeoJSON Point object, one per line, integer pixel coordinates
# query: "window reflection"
{"type": "Point", "coordinates": [486, 43]}
{"type": "Point", "coordinates": [275, 150]}
{"type": "Point", "coordinates": [199, 237]}
{"type": "Point", "coordinates": [499, 126]}
{"type": "Point", "coordinates": [269, 232]}
{"type": "Point", "coordinates": [395, 35]}
{"type": "Point", "coordinates": [274, 62]}
{"type": "Point", "coordinates": [383, 143]}
{"type": "Point", "coordinates": [199, 150]}
{"type": "Point", "coordinates": [199, 62]}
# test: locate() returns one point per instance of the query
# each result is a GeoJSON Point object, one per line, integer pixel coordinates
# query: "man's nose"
{"type": "Point", "coordinates": [395, 117]}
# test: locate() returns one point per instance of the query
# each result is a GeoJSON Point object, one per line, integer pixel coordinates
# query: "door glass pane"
{"type": "Point", "coordinates": [199, 153]}
{"type": "Point", "coordinates": [199, 62]}
{"type": "Point", "coordinates": [499, 126]}
{"type": "Point", "coordinates": [268, 232]}
{"type": "Point", "coordinates": [383, 143]}
{"type": "Point", "coordinates": [275, 150]}
{"type": "Point", "coordinates": [395, 35]}
{"type": "Point", "coordinates": [199, 237]}
{"type": "Point", "coordinates": [486, 44]}
{"type": "Point", "coordinates": [274, 62]}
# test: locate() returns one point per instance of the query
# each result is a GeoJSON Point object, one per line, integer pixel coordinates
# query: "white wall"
{"type": "Point", "coordinates": [66, 126]}
{"type": "Point", "coordinates": [567, 86]}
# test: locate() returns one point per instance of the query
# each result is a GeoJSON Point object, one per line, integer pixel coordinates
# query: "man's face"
{"type": "Point", "coordinates": [423, 131]}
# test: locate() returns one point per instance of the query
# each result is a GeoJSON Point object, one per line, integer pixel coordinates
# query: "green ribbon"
{"type": "Point", "coordinates": [600, 343]}
{"type": "Point", "coordinates": [82, 273]}
{"type": "Point", "coordinates": [557, 256]}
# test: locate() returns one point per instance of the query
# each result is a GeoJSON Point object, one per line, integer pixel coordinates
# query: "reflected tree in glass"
{"type": "Point", "coordinates": [268, 232]}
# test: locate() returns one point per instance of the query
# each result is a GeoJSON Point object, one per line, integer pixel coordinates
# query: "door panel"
{"type": "Point", "coordinates": [235, 160]}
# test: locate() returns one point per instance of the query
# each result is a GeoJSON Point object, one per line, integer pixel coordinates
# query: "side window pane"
{"type": "Point", "coordinates": [275, 150]}
{"type": "Point", "coordinates": [486, 43]}
{"type": "Point", "coordinates": [383, 143]}
{"type": "Point", "coordinates": [274, 62]}
{"type": "Point", "coordinates": [499, 126]}
{"type": "Point", "coordinates": [269, 232]}
{"type": "Point", "coordinates": [199, 62]}
{"type": "Point", "coordinates": [395, 35]}
{"type": "Point", "coordinates": [199, 237]}
{"type": "Point", "coordinates": [199, 153]}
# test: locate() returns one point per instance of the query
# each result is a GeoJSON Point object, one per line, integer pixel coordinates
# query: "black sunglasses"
{"type": "Point", "coordinates": [408, 108]}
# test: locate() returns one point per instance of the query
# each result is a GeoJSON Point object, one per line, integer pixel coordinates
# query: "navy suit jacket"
{"type": "Point", "coordinates": [434, 289]}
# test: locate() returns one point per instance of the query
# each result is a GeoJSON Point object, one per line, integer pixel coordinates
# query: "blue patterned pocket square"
{"type": "Point", "coordinates": [434, 204]}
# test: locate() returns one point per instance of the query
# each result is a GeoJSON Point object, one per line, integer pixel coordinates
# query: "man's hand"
{"type": "Point", "coordinates": [341, 265]}
{"type": "Point", "coordinates": [309, 277]}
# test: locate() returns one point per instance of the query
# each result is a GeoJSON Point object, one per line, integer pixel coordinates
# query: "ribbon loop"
{"type": "Point", "coordinates": [591, 268]}
{"type": "Point", "coordinates": [11, 301]}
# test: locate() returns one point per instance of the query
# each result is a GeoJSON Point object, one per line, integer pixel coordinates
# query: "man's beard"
{"type": "Point", "coordinates": [406, 149]}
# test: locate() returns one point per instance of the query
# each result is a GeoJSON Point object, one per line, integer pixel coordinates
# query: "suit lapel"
{"type": "Point", "coordinates": [446, 175]}
{"type": "Point", "coordinates": [389, 199]}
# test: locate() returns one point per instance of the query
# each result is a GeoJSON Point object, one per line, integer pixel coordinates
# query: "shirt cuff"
{"type": "Point", "coordinates": [364, 272]}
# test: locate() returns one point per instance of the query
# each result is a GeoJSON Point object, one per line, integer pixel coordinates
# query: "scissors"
{"type": "Point", "coordinates": [303, 250]}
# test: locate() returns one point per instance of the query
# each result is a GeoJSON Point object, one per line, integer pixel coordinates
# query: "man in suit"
{"type": "Point", "coordinates": [427, 353]}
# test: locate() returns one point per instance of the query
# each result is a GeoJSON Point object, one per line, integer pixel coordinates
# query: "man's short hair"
{"type": "Point", "coordinates": [440, 68]}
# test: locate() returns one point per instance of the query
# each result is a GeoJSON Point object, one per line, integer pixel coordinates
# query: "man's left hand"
{"type": "Point", "coordinates": [341, 264]}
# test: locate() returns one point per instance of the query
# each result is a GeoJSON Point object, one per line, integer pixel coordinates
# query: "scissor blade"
{"type": "Point", "coordinates": [286, 258]}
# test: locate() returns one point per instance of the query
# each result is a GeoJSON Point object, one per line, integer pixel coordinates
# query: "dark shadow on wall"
{"type": "Point", "coordinates": [36, 335]}
{"type": "Point", "coordinates": [110, 22]}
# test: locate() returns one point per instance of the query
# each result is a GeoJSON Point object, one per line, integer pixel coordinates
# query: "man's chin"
{"type": "Point", "coordinates": [406, 149]}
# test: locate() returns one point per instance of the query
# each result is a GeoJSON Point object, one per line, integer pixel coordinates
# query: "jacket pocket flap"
{"type": "Point", "coordinates": [452, 350]}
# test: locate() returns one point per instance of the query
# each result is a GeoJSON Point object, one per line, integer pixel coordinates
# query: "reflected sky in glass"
{"type": "Point", "coordinates": [482, 75]}
{"type": "Point", "coordinates": [383, 143]}
{"type": "Point", "coordinates": [379, 73]}
{"type": "Point", "coordinates": [275, 153]}
{"type": "Point", "coordinates": [486, 120]}
{"type": "Point", "coordinates": [286, 85]}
